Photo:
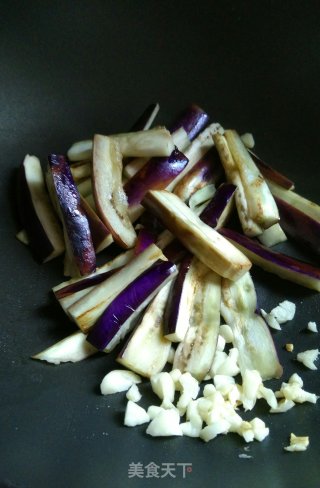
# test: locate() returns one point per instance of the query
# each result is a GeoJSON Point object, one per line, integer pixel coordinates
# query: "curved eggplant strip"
{"type": "Point", "coordinates": [75, 222]}
{"type": "Point", "coordinates": [109, 196]}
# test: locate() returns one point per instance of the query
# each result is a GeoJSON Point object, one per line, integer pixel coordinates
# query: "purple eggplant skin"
{"type": "Point", "coordinates": [175, 251]}
{"type": "Point", "coordinates": [39, 243]}
{"type": "Point", "coordinates": [146, 118]}
{"type": "Point", "coordinates": [75, 220]}
{"type": "Point", "coordinates": [272, 174]}
{"type": "Point", "coordinates": [299, 226]}
{"type": "Point", "coordinates": [194, 119]}
{"type": "Point", "coordinates": [218, 209]}
{"type": "Point", "coordinates": [173, 304]}
{"type": "Point", "coordinates": [144, 239]}
{"type": "Point", "coordinates": [156, 174]}
{"type": "Point", "coordinates": [300, 272]}
{"type": "Point", "coordinates": [92, 280]}
{"type": "Point", "coordinates": [207, 170]}
{"type": "Point", "coordinates": [127, 302]}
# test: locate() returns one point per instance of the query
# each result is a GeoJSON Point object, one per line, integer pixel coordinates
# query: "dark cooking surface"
{"type": "Point", "coordinates": [76, 68]}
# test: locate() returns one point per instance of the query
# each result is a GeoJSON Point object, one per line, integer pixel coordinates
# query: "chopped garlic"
{"type": "Point", "coordinates": [289, 347]}
{"type": "Point", "coordinates": [163, 385]}
{"type": "Point", "coordinates": [293, 391]}
{"type": "Point", "coordinates": [268, 395]}
{"type": "Point", "coordinates": [226, 332]}
{"type": "Point", "coordinates": [175, 375]}
{"type": "Point", "coordinates": [133, 393]}
{"type": "Point", "coordinates": [166, 423]}
{"type": "Point", "coordinates": [190, 390]}
{"type": "Point", "coordinates": [270, 319]}
{"type": "Point", "coordinates": [284, 312]}
{"type": "Point", "coordinates": [211, 431]}
{"type": "Point", "coordinates": [251, 382]}
{"type": "Point", "coordinates": [312, 326]}
{"type": "Point", "coordinates": [221, 343]}
{"type": "Point", "coordinates": [259, 428]}
{"type": "Point", "coordinates": [295, 378]}
{"type": "Point", "coordinates": [297, 443]}
{"type": "Point", "coordinates": [283, 406]}
{"type": "Point", "coordinates": [248, 140]}
{"type": "Point", "coordinates": [154, 410]}
{"type": "Point", "coordinates": [118, 380]}
{"type": "Point", "coordinates": [135, 415]}
{"type": "Point", "coordinates": [190, 430]}
{"type": "Point", "coordinates": [225, 364]}
{"type": "Point", "coordinates": [246, 431]}
{"type": "Point", "coordinates": [308, 358]}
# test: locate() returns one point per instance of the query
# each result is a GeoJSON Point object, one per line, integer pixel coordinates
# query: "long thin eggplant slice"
{"type": "Point", "coordinates": [277, 263]}
{"type": "Point", "coordinates": [145, 238]}
{"type": "Point", "coordinates": [71, 291]}
{"type": "Point", "coordinates": [86, 311]}
{"type": "Point", "coordinates": [100, 234]}
{"type": "Point", "coordinates": [299, 226]}
{"type": "Point", "coordinates": [85, 187]}
{"type": "Point", "coordinates": [127, 304]}
{"type": "Point", "coordinates": [73, 348]}
{"type": "Point", "coordinates": [147, 338]}
{"type": "Point", "coordinates": [75, 222]}
{"type": "Point", "coordinates": [146, 119]}
{"type": "Point", "coordinates": [145, 143]}
{"type": "Point", "coordinates": [271, 174]}
{"type": "Point", "coordinates": [218, 210]}
{"type": "Point", "coordinates": [36, 213]}
{"type": "Point", "coordinates": [193, 120]}
{"type": "Point", "coordinates": [261, 205]}
{"type": "Point", "coordinates": [207, 170]}
{"type": "Point", "coordinates": [81, 170]}
{"type": "Point", "coordinates": [80, 151]}
{"type": "Point", "coordinates": [178, 309]}
{"type": "Point", "coordinates": [216, 213]}
{"type": "Point", "coordinates": [180, 140]}
{"type": "Point", "coordinates": [251, 335]}
{"type": "Point", "coordinates": [196, 352]}
{"type": "Point", "coordinates": [108, 192]}
{"type": "Point", "coordinates": [197, 149]}
{"type": "Point", "coordinates": [200, 239]}
{"type": "Point", "coordinates": [249, 226]}
{"type": "Point", "coordinates": [300, 203]}
{"type": "Point", "coordinates": [157, 174]}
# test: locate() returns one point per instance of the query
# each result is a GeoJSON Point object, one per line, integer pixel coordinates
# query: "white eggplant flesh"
{"type": "Point", "coordinates": [198, 148]}
{"type": "Point", "coordinates": [180, 140]}
{"type": "Point", "coordinates": [200, 239]}
{"type": "Point", "coordinates": [196, 352]}
{"type": "Point", "coordinates": [251, 335]}
{"type": "Point", "coordinates": [109, 195]}
{"type": "Point", "coordinates": [249, 226]}
{"type": "Point", "coordinates": [180, 302]}
{"type": "Point", "coordinates": [36, 213]}
{"type": "Point", "coordinates": [73, 348]}
{"type": "Point", "coordinates": [69, 292]}
{"type": "Point", "coordinates": [272, 236]}
{"type": "Point", "coordinates": [310, 208]}
{"type": "Point", "coordinates": [81, 170]}
{"type": "Point", "coordinates": [86, 311]}
{"type": "Point", "coordinates": [274, 262]}
{"type": "Point", "coordinates": [147, 350]}
{"type": "Point", "coordinates": [144, 143]}
{"type": "Point", "coordinates": [261, 205]}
